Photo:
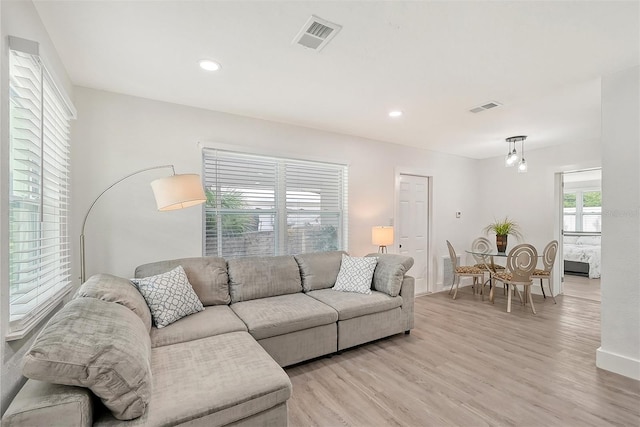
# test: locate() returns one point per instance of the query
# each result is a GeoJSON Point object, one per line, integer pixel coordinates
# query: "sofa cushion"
{"type": "Point", "coordinates": [390, 272]}
{"type": "Point", "coordinates": [119, 290]}
{"type": "Point", "coordinates": [100, 345]}
{"type": "Point", "coordinates": [207, 275]}
{"type": "Point", "coordinates": [268, 317]}
{"type": "Point", "coordinates": [355, 274]}
{"type": "Point", "coordinates": [319, 270]}
{"type": "Point", "coordinates": [349, 305]}
{"type": "Point", "coordinates": [212, 381]}
{"type": "Point", "coordinates": [261, 277]}
{"type": "Point", "coordinates": [215, 320]}
{"type": "Point", "coordinates": [40, 402]}
{"type": "Point", "coordinates": [169, 296]}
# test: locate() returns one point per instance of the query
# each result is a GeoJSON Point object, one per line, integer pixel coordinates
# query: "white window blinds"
{"type": "Point", "coordinates": [258, 205]}
{"type": "Point", "coordinates": [39, 248]}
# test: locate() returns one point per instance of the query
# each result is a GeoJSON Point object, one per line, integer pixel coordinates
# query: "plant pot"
{"type": "Point", "coordinates": [501, 243]}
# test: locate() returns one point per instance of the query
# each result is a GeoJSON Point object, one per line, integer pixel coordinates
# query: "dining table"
{"type": "Point", "coordinates": [489, 262]}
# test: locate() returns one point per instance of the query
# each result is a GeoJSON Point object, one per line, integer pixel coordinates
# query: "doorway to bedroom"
{"type": "Point", "coordinates": [581, 231]}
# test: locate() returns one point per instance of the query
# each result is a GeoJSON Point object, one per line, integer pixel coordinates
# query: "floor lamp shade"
{"type": "Point", "coordinates": [178, 191]}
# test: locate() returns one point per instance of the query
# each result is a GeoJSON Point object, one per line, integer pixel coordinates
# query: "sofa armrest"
{"type": "Point", "coordinates": [39, 403]}
{"type": "Point", "coordinates": [408, 294]}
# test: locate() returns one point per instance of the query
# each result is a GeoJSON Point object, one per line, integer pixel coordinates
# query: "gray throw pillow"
{"type": "Point", "coordinates": [390, 272]}
{"type": "Point", "coordinates": [100, 345]}
{"type": "Point", "coordinates": [169, 296]}
{"type": "Point", "coordinates": [355, 274]}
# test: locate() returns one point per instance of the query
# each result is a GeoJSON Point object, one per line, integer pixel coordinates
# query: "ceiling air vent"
{"type": "Point", "coordinates": [487, 106]}
{"type": "Point", "coordinates": [316, 33]}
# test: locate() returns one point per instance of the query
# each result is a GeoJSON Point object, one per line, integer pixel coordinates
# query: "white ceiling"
{"type": "Point", "coordinates": [434, 60]}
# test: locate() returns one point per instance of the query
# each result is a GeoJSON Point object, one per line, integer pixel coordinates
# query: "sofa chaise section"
{"type": "Point", "coordinates": [213, 381]}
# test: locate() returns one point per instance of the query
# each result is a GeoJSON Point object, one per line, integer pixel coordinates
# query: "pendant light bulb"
{"type": "Point", "coordinates": [512, 157]}
{"type": "Point", "coordinates": [507, 158]}
{"type": "Point", "coordinates": [522, 166]}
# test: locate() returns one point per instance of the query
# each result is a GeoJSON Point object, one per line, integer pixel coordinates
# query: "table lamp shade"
{"type": "Point", "coordinates": [178, 191]}
{"type": "Point", "coordinates": [382, 236]}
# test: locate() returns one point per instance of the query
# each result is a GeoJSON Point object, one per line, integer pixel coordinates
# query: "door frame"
{"type": "Point", "coordinates": [398, 171]}
{"type": "Point", "coordinates": [559, 223]}
{"type": "Point", "coordinates": [558, 234]}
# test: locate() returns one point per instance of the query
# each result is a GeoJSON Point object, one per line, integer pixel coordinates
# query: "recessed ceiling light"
{"type": "Point", "coordinates": [395, 113]}
{"type": "Point", "coordinates": [209, 65]}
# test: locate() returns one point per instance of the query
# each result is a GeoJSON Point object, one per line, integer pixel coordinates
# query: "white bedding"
{"type": "Point", "coordinates": [584, 249]}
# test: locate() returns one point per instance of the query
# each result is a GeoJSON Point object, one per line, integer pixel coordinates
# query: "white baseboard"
{"type": "Point", "coordinates": [618, 364]}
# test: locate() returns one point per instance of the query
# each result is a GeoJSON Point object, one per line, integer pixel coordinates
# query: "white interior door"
{"type": "Point", "coordinates": [413, 220]}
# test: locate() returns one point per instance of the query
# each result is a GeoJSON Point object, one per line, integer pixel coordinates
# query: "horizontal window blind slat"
{"type": "Point", "coordinates": [44, 270]}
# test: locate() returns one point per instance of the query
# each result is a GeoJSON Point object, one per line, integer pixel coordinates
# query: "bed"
{"type": "Point", "coordinates": [582, 255]}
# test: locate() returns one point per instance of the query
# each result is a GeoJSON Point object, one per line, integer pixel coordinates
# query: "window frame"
{"type": "Point", "coordinates": [281, 212]}
{"type": "Point", "coordinates": [49, 187]}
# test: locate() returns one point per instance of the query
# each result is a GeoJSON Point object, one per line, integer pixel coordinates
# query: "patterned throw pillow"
{"type": "Point", "coordinates": [169, 296]}
{"type": "Point", "coordinates": [355, 274]}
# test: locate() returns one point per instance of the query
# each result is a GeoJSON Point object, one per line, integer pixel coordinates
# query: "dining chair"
{"type": "Point", "coordinates": [548, 259]}
{"type": "Point", "coordinates": [463, 271]}
{"type": "Point", "coordinates": [521, 261]}
{"type": "Point", "coordinates": [484, 262]}
{"type": "Point", "coordinates": [482, 244]}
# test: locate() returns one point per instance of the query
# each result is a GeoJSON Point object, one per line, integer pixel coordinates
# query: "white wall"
{"type": "Point", "coordinates": [19, 19]}
{"type": "Point", "coordinates": [620, 334]}
{"type": "Point", "coordinates": [116, 134]}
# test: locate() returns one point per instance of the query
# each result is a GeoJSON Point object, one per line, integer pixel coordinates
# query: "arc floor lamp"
{"type": "Point", "coordinates": [171, 193]}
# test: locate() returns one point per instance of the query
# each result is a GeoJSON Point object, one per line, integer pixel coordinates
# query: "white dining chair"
{"type": "Point", "coordinates": [463, 271]}
{"type": "Point", "coordinates": [481, 246]}
{"type": "Point", "coordinates": [521, 262]}
{"type": "Point", "coordinates": [548, 260]}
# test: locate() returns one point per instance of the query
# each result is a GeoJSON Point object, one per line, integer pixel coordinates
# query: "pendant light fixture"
{"type": "Point", "coordinates": [511, 159]}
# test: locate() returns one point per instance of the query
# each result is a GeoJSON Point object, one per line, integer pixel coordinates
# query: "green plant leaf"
{"type": "Point", "coordinates": [504, 228]}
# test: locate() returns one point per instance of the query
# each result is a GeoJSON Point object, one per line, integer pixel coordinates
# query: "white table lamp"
{"type": "Point", "coordinates": [382, 236]}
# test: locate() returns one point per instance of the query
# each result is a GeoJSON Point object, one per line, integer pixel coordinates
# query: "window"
{"type": "Point", "coordinates": [39, 249]}
{"type": "Point", "coordinates": [583, 210]}
{"type": "Point", "coordinates": [258, 205]}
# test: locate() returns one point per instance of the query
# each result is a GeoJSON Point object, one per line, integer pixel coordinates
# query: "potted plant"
{"type": "Point", "coordinates": [502, 229]}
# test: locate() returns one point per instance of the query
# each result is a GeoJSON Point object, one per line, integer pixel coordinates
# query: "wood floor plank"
{"type": "Point", "coordinates": [469, 363]}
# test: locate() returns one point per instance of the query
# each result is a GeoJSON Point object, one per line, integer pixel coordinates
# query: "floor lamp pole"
{"type": "Point", "coordinates": [84, 222]}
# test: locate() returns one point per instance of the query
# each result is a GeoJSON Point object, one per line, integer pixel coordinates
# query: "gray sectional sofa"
{"type": "Point", "coordinates": [219, 366]}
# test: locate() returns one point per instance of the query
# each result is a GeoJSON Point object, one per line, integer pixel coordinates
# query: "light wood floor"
{"type": "Point", "coordinates": [469, 363]}
{"type": "Point", "coordinates": [582, 287]}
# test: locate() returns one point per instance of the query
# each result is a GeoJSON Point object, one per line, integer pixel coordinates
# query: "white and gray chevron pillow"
{"type": "Point", "coordinates": [355, 274]}
{"type": "Point", "coordinates": [169, 295]}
